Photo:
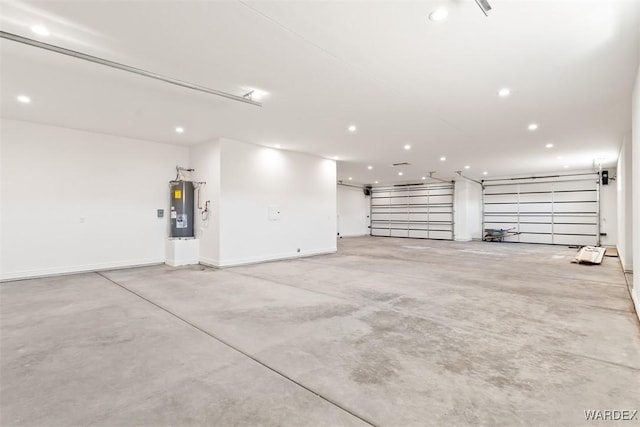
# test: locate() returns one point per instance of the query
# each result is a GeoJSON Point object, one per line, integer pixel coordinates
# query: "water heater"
{"type": "Point", "coordinates": [181, 209]}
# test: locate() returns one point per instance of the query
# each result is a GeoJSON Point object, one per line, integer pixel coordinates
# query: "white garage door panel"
{"type": "Point", "coordinates": [535, 238]}
{"type": "Point", "coordinates": [418, 234]}
{"type": "Point", "coordinates": [535, 208]}
{"type": "Point", "coordinates": [420, 200]}
{"type": "Point", "coordinates": [536, 228]}
{"type": "Point", "coordinates": [535, 218]}
{"type": "Point", "coordinates": [499, 189]}
{"type": "Point", "coordinates": [440, 217]}
{"type": "Point", "coordinates": [419, 211]}
{"type": "Point", "coordinates": [399, 233]}
{"type": "Point", "coordinates": [535, 197]}
{"type": "Point", "coordinates": [576, 185]}
{"type": "Point", "coordinates": [575, 196]}
{"type": "Point", "coordinates": [441, 235]}
{"type": "Point", "coordinates": [500, 218]}
{"type": "Point", "coordinates": [380, 217]}
{"type": "Point", "coordinates": [419, 226]}
{"type": "Point", "coordinates": [499, 198]}
{"type": "Point", "coordinates": [440, 199]}
{"type": "Point", "coordinates": [385, 232]}
{"type": "Point", "coordinates": [575, 229]}
{"type": "Point", "coordinates": [418, 217]}
{"type": "Point", "coordinates": [380, 202]}
{"type": "Point", "coordinates": [559, 210]}
{"type": "Point", "coordinates": [500, 208]}
{"type": "Point", "coordinates": [574, 219]}
{"type": "Point", "coordinates": [586, 207]}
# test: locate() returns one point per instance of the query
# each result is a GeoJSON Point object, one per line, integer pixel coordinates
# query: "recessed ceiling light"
{"type": "Point", "coordinates": [375, 182]}
{"type": "Point", "coordinates": [485, 173]}
{"type": "Point", "coordinates": [369, 167]}
{"type": "Point", "coordinates": [533, 126]}
{"type": "Point", "coordinates": [467, 167]}
{"type": "Point", "coordinates": [350, 178]}
{"type": "Point", "coordinates": [424, 177]}
{"type": "Point", "coordinates": [443, 158]}
{"type": "Point", "coordinates": [549, 145]}
{"type": "Point", "coordinates": [24, 99]}
{"type": "Point", "coordinates": [439, 14]}
{"type": "Point", "coordinates": [504, 92]}
{"type": "Point", "coordinates": [352, 128]}
{"type": "Point", "coordinates": [407, 147]}
{"type": "Point", "coordinates": [400, 173]}
{"type": "Point", "coordinates": [180, 129]}
{"type": "Point", "coordinates": [40, 30]}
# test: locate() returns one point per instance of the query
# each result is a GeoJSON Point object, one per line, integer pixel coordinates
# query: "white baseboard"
{"type": "Point", "coordinates": [255, 260]}
{"type": "Point", "coordinates": [73, 269]}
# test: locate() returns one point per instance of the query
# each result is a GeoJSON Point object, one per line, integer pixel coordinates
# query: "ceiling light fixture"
{"type": "Point", "coordinates": [369, 167]}
{"type": "Point", "coordinates": [484, 6]}
{"type": "Point", "coordinates": [335, 157]}
{"type": "Point", "coordinates": [443, 158]}
{"type": "Point", "coordinates": [467, 167]}
{"type": "Point", "coordinates": [254, 94]}
{"type": "Point", "coordinates": [277, 146]}
{"type": "Point", "coordinates": [352, 128]}
{"type": "Point", "coordinates": [549, 145]}
{"type": "Point", "coordinates": [504, 92]}
{"type": "Point", "coordinates": [424, 177]}
{"type": "Point", "coordinates": [40, 30]}
{"type": "Point", "coordinates": [407, 147]}
{"type": "Point", "coordinates": [533, 126]}
{"type": "Point", "coordinates": [180, 129]}
{"type": "Point", "coordinates": [375, 182]}
{"type": "Point", "coordinates": [350, 178]}
{"type": "Point", "coordinates": [439, 14]}
{"type": "Point", "coordinates": [485, 173]}
{"type": "Point", "coordinates": [400, 173]}
{"type": "Point", "coordinates": [24, 99]}
{"type": "Point", "coordinates": [123, 67]}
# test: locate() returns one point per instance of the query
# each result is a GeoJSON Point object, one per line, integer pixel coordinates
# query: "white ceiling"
{"type": "Point", "coordinates": [383, 66]}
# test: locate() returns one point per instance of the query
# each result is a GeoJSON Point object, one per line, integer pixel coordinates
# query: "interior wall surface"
{"type": "Point", "coordinates": [80, 201]}
{"type": "Point", "coordinates": [635, 166]}
{"type": "Point", "coordinates": [274, 204]}
{"type": "Point", "coordinates": [353, 211]}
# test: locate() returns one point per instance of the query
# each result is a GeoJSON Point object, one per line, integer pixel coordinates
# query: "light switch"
{"type": "Point", "coordinates": [274, 213]}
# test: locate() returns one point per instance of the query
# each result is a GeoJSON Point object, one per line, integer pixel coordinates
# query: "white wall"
{"type": "Point", "coordinates": [468, 210]}
{"type": "Point", "coordinates": [635, 165]}
{"type": "Point", "coordinates": [624, 194]}
{"type": "Point", "coordinates": [353, 211]}
{"type": "Point", "coordinates": [256, 182]}
{"type": "Point", "coordinates": [79, 201]}
{"type": "Point", "coordinates": [609, 211]}
{"type": "Point", "coordinates": [205, 159]}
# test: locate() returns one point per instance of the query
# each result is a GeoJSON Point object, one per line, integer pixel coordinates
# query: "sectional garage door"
{"type": "Point", "coordinates": [558, 210]}
{"type": "Point", "coordinates": [419, 211]}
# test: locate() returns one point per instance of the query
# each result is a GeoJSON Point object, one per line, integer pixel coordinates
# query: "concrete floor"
{"type": "Point", "coordinates": [391, 332]}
